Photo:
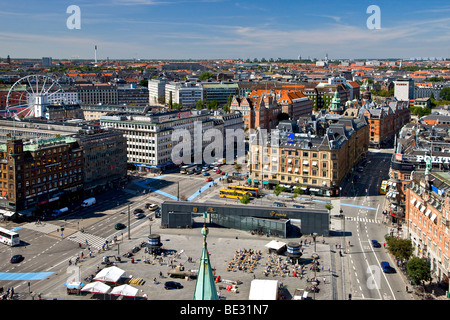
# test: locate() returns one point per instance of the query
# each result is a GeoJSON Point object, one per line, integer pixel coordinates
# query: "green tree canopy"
{"type": "Point", "coordinates": [418, 270]}
{"type": "Point", "coordinates": [401, 248]}
{"type": "Point", "coordinates": [278, 190]}
{"type": "Point", "coordinates": [245, 199]}
{"type": "Point", "coordinates": [445, 94]}
{"type": "Point", "coordinates": [205, 76]}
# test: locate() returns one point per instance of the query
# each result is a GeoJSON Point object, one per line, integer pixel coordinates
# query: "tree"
{"type": "Point", "coordinates": [245, 199]}
{"type": "Point", "coordinates": [329, 206]}
{"type": "Point", "coordinates": [297, 190]}
{"type": "Point", "coordinates": [161, 99]}
{"type": "Point", "coordinates": [205, 76]}
{"type": "Point", "coordinates": [445, 94]}
{"type": "Point", "coordinates": [143, 83]}
{"type": "Point", "coordinates": [199, 104]}
{"type": "Point", "coordinates": [402, 249]}
{"type": "Point", "coordinates": [418, 270]}
{"type": "Point", "coordinates": [278, 190]}
{"type": "Point", "coordinates": [238, 167]}
{"type": "Point", "coordinates": [212, 104]}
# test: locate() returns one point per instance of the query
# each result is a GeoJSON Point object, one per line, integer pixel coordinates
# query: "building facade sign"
{"type": "Point", "coordinates": [434, 159]}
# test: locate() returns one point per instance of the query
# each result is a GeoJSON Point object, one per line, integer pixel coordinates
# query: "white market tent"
{"type": "Point", "coordinates": [276, 245]}
{"type": "Point", "coordinates": [111, 274]}
{"type": "Point", "coordinates": [125, 290]}
{"type": "Point", "coordinates": [96, 287]}
{"type": "Point", "coordinates": [263, 290]}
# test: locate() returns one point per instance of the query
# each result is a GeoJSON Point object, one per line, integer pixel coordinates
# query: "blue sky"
{"type": "Point", "coordinates": [220, 29]}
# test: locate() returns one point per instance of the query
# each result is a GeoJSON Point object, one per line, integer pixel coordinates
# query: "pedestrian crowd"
{"type": "Point", "coordinates": [7, 295]}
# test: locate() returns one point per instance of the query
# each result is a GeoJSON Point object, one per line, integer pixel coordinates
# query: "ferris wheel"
{"type": "Point", "coordinates": [29, 96]}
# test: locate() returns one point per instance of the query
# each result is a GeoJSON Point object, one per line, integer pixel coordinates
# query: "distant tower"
{"type": "Point", "coordinates": [95, 54]}
{"type": "Point", "coordinates": [8, 60]}
{"type": "Point", "coordinates": [335, 107]}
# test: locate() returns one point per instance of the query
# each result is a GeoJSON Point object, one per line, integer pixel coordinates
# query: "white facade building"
{"type": "Point", "coordinates": [187, 94]}
{"type": "Point", "coordinates": [156, 89]}
{"type": "Point", "coordinates": [149, 138]}
{"type": "Point", "coordinates": [404, 89]}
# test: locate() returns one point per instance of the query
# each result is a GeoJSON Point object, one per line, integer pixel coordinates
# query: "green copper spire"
{"type": "Point", "coordinates": [336, 102]}
{"type": "Point", "coordinates": [205, 287]}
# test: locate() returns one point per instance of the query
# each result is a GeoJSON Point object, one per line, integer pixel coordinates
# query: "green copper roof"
{"type": "Point", "coordinates": [205, 287]}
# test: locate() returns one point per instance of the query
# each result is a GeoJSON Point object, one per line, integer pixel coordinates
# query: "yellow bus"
{"type": "Point", "coordinates": [383, 187]}
{"type": "Point", "coordinates": [233, 194]}
{"type": "Point", "coordinates": [254, 191]}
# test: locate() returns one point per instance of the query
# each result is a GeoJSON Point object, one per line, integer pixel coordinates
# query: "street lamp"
{"type": "Point", "coordinates": [314, 235]}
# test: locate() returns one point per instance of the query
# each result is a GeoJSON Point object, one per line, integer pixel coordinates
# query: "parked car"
{"type": "Point", "coordinates": [208, 179]}
{"type": "Point", "coordinates": [16, 258]}
{"type": "Point", "coordinates": [206, 174]}
{"type": "Point", "coordinates": [172, 285]}
{"type": "Point", "coordinates": [153, 207]}
{"type": "Point", "coordinates": [279, 204]}
{"type": "Point", "coordinates": [139, 215]}
{"type": "Point", "coordinates": [158, 213]}
{"type": "Point", "coordinates": [138, 211]}
{"type": "Point", "coordinates": [376, 244]}
{"type": "Point", "coordinates": [119, 226]}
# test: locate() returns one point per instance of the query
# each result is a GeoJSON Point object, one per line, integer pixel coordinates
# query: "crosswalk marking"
{"type": "Point", "coordinates": [79, 237]}
{"type": "Point", "coordinates": [92, 240]}
{"type": "Point", "coordinates": [359, 219]}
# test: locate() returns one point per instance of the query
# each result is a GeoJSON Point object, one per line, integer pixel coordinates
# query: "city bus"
{"type": "Point", "coordinates": [233, 194]}
{"type": "Point", "coordinates": [189, 167]}
{"type": "Point", "coordinates": [9, 237]}
{"type": "Point", "coordinates": [254, 191]}
{"type": "Point", "coordinates": [383, 187]}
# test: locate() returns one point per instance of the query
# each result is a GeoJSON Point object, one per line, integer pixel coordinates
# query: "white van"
{"type": "Point", "coordinates": [88, 202]}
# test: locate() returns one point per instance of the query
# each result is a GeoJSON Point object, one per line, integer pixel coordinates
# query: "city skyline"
{"type": "Point", "coordinates": [221, 29]}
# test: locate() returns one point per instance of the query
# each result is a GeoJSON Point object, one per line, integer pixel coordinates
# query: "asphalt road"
{"type": "Point", "coordinates": [357, 272]}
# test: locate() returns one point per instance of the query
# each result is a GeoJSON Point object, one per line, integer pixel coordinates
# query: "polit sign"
{"type": "Point", "coordinates": [434, 159]}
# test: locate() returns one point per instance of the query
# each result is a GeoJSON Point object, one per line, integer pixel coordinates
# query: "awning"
{"type": "Point", "coordinates": [296, 179]}
{"type": "Point", "coordinates": [433, 217]}
{"type": "Point", "coordinates": [255, 181]}
{"type": "Point", "coordinates": [418, 204]}
{"type": "Point", "coordinates": [125, 290]}
{"type": "Point", "coordinates": [275, 244]}
{"type": "Point", "coordinates": [289, 160]}
{"type": "Point", "coordinates": [422, 209]}
{"type": "Point", "coordinates": [274, 181]}
{"type": "Point", "coordinates": [112, 274]}
{"type": "Point", "coordinates": [96, 287]}
{"type": "Point", "coordinates": [314, 163]}
{"type": "Point", "coordinates": [289, 169]}
{"type": "Point", "coordinates": [305, 162]}
{"type": "Point", "coordinates": [314, 190]}
{"type": "Point", "coordinates": [7, 213]}
{"type": "Point", "coordinates": [296, 170]}
{"type": "Point", "coordinates": [413, 200]}
{"type": "Point", "coordinates": [428, 212]}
